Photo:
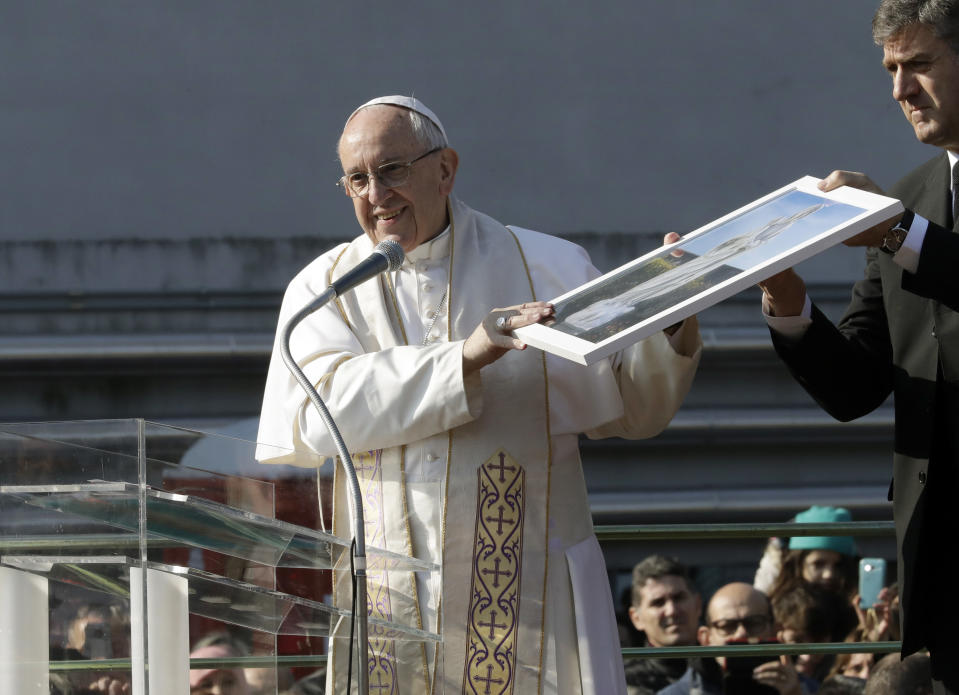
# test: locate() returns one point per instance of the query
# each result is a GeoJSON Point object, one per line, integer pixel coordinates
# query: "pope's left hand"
{"type": "Point", "coordinates": [493, 338]}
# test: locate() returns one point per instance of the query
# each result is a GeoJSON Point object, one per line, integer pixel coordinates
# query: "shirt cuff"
{"type": "Point", "coordinates": [907, 257]}
{"type": "Point", "coordinates": [473, 384]}
{"type": "Point", "coordinates": [790, 327]}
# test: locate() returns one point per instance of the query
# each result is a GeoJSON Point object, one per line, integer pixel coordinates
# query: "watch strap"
{"type": "Point", "coordinates": [892, 240]}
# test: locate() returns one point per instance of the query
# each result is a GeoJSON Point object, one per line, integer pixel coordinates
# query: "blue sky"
{"type": "Point", "coordinates": [783, 206]}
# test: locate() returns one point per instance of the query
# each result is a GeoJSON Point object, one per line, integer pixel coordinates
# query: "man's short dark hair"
{"type": "Point", "coordinates": [655, 567]}
{"type": "Point", "coordinates": [892, 16]}
{"type": "Point", "coordinates": [911, 676]}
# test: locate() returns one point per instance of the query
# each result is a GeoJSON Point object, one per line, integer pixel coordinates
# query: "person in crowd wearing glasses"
{"type": "Point", "coordinates": [738, 613]}
{"type": "Point", "coordinates": [900, 333]}
{"type": "Point", "coordinates": [665, 608]}
{"type": "Point", "coordinates": [465, 443]}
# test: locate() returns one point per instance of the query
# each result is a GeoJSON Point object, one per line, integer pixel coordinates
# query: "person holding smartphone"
{"type": "Point", "coordinates": [738, 612]}
{"type": "Point", "coordinates": [828, 563]}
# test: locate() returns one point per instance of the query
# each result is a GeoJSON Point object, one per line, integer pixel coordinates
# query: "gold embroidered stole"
{"type": "Point", "coordinates": [497, 485]}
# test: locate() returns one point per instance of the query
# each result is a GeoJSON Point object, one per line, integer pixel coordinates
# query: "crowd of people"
{"type": "Point", "coordinates": [805, 590]}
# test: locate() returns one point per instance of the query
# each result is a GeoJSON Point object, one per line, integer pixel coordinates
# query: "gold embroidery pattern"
{"type": "Point", "coordinates": [549, 472]}
{"type": "Point", "coordinates": [382, 652]}
{"type": "Point", "coordinates": [493, 619]}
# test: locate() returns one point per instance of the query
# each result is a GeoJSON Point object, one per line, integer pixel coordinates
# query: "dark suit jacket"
{"type": "Point", "coordinates": [900, 334]}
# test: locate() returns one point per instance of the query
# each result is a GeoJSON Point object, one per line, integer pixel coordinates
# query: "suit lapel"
{"type": "Point", "coordinates": [934, 196]}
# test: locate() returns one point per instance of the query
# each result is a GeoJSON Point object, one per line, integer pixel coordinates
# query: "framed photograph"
{"type": "Point", "coordinates": [705, 267]}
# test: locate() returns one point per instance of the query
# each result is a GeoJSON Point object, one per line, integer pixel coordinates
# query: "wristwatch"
{"type": "Point", "coordinates": [892, 240]}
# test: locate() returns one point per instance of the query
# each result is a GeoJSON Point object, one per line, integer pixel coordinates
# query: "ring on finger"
{"type": "Point", "coordinates": [501, 323]}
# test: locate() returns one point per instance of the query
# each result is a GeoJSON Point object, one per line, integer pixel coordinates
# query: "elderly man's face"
{"type": "Point", "coordinates": [414, 212]}
{"type": "Point", "coordinates": [925, 82]}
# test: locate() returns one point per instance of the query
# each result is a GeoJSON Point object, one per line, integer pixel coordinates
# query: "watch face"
{"type": "Point", "coordinates": [892, 241]}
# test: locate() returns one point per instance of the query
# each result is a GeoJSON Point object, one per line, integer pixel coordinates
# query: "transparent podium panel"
{"type": "Point", "coordinates": [208, 595]}
{"type": "Point", "coordinates": [130, 549]}
{"type": "Point", "coordinates": [176, 520]}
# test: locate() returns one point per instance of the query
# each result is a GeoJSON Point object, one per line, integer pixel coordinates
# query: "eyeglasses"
{"type": "Point", "coordinates": [753, 624]}
{"type": "Point", "coordinates": [390, 175]}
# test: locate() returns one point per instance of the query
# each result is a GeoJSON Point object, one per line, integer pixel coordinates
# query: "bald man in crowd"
{"type": "Point", "coordinates": [737, 613]}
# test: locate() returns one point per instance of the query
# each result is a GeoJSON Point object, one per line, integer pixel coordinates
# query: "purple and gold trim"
{"type": "Point", "coordinates": [493, 619]}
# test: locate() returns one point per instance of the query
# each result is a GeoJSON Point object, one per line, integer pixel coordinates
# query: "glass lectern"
{"type": "Point", "coordinates": [134, 552]}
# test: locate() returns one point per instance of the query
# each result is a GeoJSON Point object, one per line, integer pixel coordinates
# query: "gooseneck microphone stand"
{"type": "Point", "coordinates": [388, 255]}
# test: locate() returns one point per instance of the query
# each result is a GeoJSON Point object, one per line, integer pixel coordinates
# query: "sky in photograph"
{"type": "Point", "coordinates": [790, 203]}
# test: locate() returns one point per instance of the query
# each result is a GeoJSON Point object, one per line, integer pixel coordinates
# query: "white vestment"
{"type": "Point", "coordinates": [480, 473]}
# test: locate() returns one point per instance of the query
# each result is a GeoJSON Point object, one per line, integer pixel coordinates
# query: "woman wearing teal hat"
{"type": "Point", "coordinates": [827, 562]}
{"type": "Point", "coordinates": [812, 594]}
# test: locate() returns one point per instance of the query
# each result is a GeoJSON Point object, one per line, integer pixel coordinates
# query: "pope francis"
{"type": "Point", "coordinates": [465, 442]}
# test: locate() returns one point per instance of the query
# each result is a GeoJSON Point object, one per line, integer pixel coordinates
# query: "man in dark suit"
{"type": "Point", "coordinates": [900, 333]}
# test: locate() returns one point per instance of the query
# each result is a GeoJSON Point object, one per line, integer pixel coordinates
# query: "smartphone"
{"type": "Point", "coordinates": [738, 674]}
{"type": "Point", "coordinates": [872, 578]}
{"type": "Point", "coordinates": [743, 666]}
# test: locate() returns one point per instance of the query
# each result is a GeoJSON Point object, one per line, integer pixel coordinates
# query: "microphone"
{"type": "Point", "coordinates": [387, 255]}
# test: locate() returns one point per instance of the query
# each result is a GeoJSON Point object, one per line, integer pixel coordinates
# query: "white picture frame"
{"type": "Point", "coordinates": [718, 260]}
